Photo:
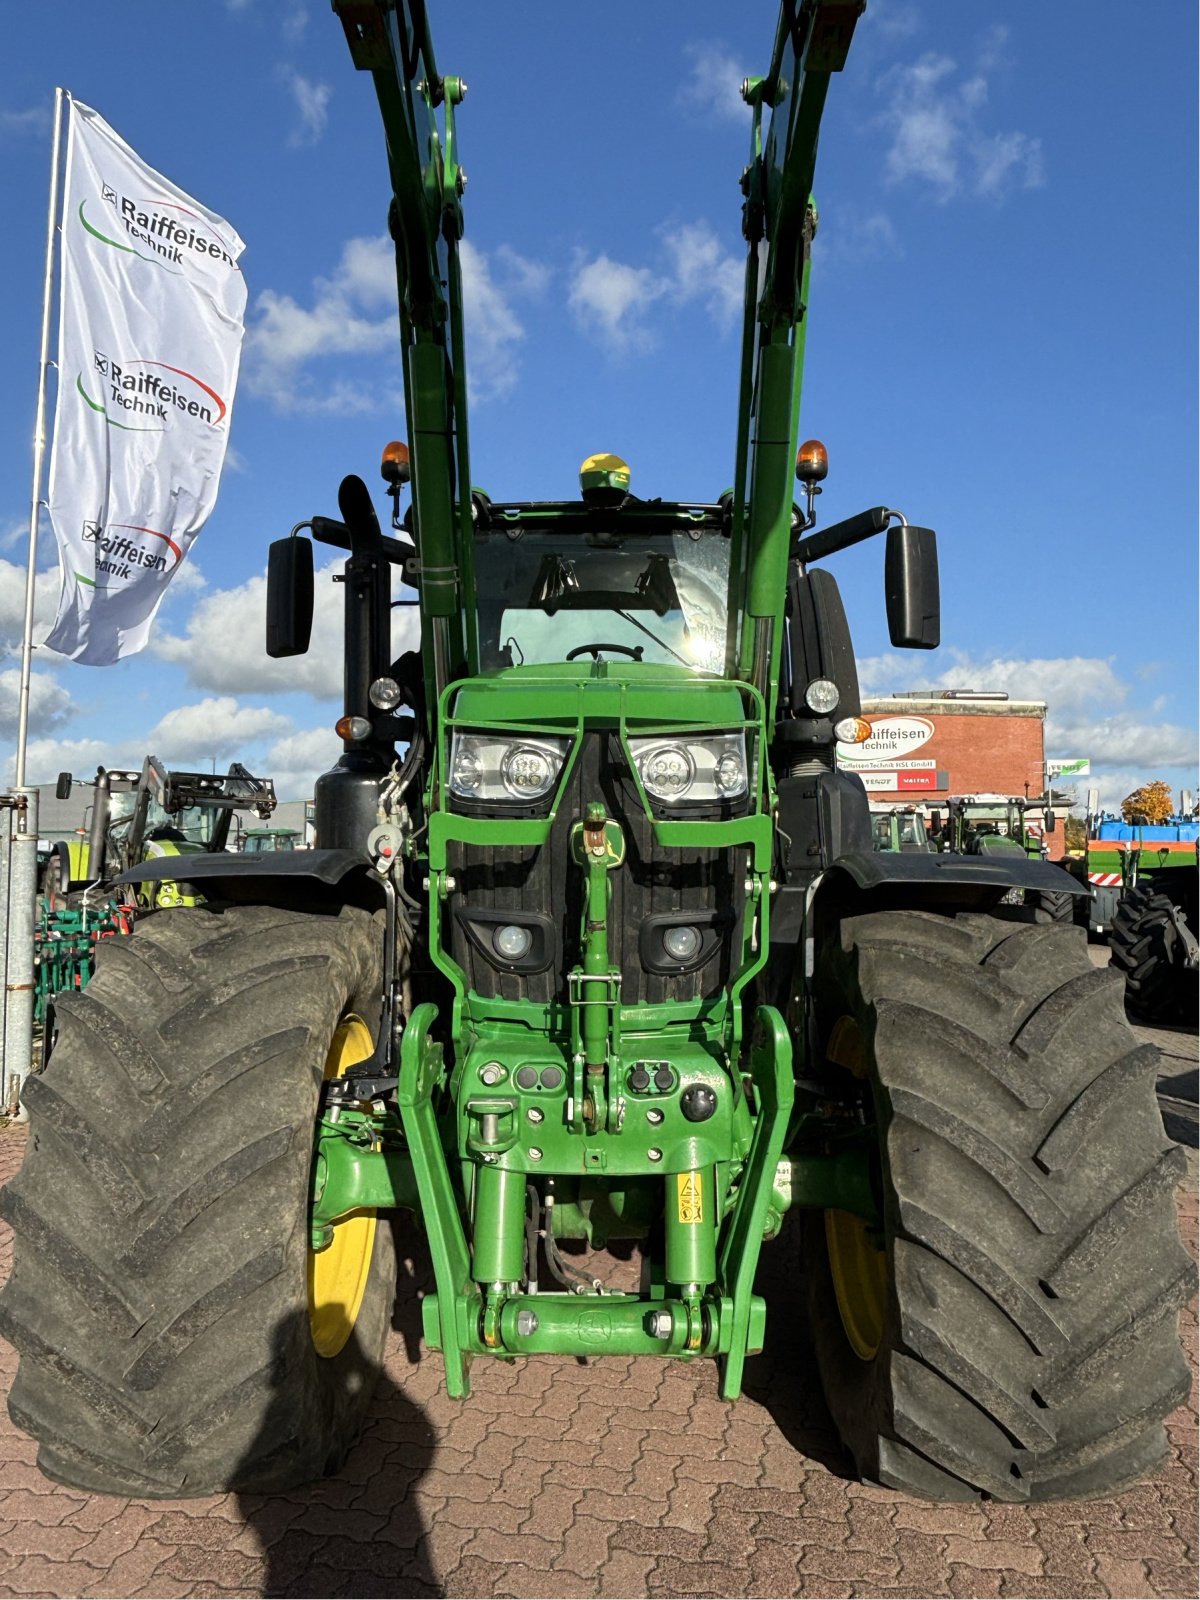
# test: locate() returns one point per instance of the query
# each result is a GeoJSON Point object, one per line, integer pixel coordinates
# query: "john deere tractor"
{"type": "Point", "coordinates": [594, 946]}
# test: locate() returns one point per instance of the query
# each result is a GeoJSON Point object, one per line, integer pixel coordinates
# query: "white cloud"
{"type": "Point", "coordinates": [612, 300]}
{"type": "Point", "coordinates": [223, 649]}
{"type": "Point", "coordinates": [12, 605]}
{"type": "Point", "coordinates": [50, 705]}
{"type": "Point", "coordinates": [848, 233]}
{"type": "Point", "coordinates": [217, 728]}
{"type": "Point", "coordinates": [46, 758]}
{"type": "Point", "coordinates": [295, 762]}
{"type": "Point", "coordinates": [25, 124]}
{"type": "Point", "coordinates": [491, 326]}
{"type": "Point", "coordinates": [713, 86]}
{"type": "Point", "coordinates": [312, 102]}
{"type": "Point", "coordinates": [935, 115]}
{"type": "Point", "coordinates": [1087, 712]}
{"type": "Point", "coordinates": [354, 316]}
{"type": "Point", "coordinates": [702, 270]}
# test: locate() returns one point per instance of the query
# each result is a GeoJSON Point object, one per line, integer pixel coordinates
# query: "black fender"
{"type": "Point", "coordinates": [809, 906]}
{"type": "Point", "coordinates": [293, 878]}
{"type": "Point", "coordinates": [885, 870]}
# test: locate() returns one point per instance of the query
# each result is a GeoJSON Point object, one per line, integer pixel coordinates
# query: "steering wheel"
{"type": "Point", "coordinates": [633, 651]}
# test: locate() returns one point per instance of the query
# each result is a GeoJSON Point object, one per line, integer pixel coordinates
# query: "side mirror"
{"type": "Point", "coordinates": [62, 789]}
{"type": "Point", "coordinates": [910, 583]}
{"type": "Point", "coordinates": [935, 821]}
{"type": "Point", "coordinates": [289, 597]}
{"type": "Point", "coordinates": [1049, 821]}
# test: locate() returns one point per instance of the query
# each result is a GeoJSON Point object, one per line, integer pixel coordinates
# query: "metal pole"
{"type": "Point", "coordinates": [39, 443]}
{"type": "Point", "coordinates": [21, 886]}
{"type": "Point", "coordinates": [18, 985]}
{"type": "Point", "coordinates": [8, 804]}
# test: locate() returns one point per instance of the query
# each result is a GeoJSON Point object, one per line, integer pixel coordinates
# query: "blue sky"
{"type": "Point", "coordinates": [1002, 340]}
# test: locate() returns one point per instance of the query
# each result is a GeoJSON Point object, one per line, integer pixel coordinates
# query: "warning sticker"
{"type": "Point", "coordinates": [691, 1196]}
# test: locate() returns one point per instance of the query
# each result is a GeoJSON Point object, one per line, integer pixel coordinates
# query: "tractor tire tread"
{"type": "Point", "coordinates": [1029, 1200]}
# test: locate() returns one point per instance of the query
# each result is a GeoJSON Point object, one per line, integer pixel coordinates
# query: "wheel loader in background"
{"type": "Point", "coordinates": [594, 946]}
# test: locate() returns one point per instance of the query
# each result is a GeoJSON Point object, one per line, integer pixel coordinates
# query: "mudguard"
{"type": "Point", "coordinates": [1006, 870]}
{"type": "Point", "coordinates": [329, 867]}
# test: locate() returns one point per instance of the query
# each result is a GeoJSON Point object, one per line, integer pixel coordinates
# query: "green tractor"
{"type": "Point", "coordinates": [997, 827]}
{"type": "Point", "coordinates": [594, 946]}
{"type": "Point", "coordinates": [266, 841]}
{"type": "Point", "coordinates": [900, 828]}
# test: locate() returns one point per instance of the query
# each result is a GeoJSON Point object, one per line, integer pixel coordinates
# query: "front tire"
{"type": "Point", "coordinates": [1148, 951]}
{"type": "Point", "coordinates": [1012, 1331]}
{"type": "Point", "coordinates": [159, 1298]}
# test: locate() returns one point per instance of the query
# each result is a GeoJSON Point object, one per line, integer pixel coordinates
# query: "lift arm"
{"type": "Point", "coordinates": [390, 39]}
{"type": "Point", "coordinates": [779, 222]}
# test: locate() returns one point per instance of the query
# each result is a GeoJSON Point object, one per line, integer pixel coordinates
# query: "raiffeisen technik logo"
{"type": "Point", "coordinates": [124, 557]}
{"type": "Point", "coordinates": [173, 238]}
{"type": "Point", "coordinates": [138, 389]}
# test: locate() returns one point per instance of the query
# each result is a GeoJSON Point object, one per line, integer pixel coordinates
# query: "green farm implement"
{"type": "Point", "coordinates": [1143, 889]}
{"type": "Point", "coordinates": [594, 946]}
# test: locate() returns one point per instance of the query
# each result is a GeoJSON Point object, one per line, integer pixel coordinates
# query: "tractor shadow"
{"type": "Point", "coordinates": [360, 1531]}
{"type": "Point", "coordinates": [783, 1379]}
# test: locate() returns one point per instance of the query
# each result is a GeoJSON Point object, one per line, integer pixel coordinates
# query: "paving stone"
{"type": "Point", "coordinates": [622, 1477]}
{"type": "Point", "coordinates": [1004, 1555]}
{"type": "Point", "coordinates": [700, 1578]}
{"type": "Point", "coordinates": [1124, 1578]}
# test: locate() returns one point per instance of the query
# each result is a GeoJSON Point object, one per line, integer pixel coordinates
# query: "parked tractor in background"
{"type": "Point", "coordinates": [900, 828]}
{"type": "Point", "coordinates": [1143, 882]}
{"type": "Point", "coordinates": [264, 841]}
{"type": "Point", "coordinates": [604, 954]}
{"type": "Point", "coordinates": [147, 815]}
{"type": "Point", "coordinates": [1000, 827]}
{"type": "Point", "coordinates": [135, 817]}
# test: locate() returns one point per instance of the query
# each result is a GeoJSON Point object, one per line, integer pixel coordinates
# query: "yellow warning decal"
{"type": "Point", "coordinates": [690, 1195]}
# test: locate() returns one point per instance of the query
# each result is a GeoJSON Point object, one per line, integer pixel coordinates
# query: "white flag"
{"type": "Point", "coordinates": [150, 336]}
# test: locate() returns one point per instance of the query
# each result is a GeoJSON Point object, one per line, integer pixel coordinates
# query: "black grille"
{"type": "Point", "coordinates": [546, 882]}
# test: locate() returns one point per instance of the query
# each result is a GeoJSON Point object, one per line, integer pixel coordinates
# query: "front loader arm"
{"type": "Point", "coordinates": [390, 39]}
{"type": "Point", "coordinates": [812, 41]}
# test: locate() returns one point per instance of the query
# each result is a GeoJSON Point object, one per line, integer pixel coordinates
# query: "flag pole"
{"type": "Point", "coordinates": [39, 441]}
{"type": "Point", "coordinates": [20, 821]}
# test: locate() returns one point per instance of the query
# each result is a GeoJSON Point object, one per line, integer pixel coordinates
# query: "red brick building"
{"type": "Point", "coordinates": [926, 747]}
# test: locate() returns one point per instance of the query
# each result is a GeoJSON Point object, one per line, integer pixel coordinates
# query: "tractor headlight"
{"type": "Point", "coordinates": [486, 768]}
{"type": "Point", "coordinates": [822, 696]}
{"type": "Point", "coordinates": [708, 769]}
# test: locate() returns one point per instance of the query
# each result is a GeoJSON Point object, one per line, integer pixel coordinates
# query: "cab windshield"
{"type": "Point", "coordinates": [550, 596]}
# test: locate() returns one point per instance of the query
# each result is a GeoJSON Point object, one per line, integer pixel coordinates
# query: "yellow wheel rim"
{"type": "Point", "coordinates": [859, 1274]}
{"type": "Point", "coordinates": [337, 1275]}
{"type": "Point", "coordinates": [859, 1270]}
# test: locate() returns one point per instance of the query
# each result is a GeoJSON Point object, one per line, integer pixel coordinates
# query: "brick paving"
{"type": "Point", "coordinates": [605, 1478]}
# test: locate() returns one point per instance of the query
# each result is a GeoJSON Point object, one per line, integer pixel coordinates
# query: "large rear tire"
{"type": "Point", "coordinates": [1011, 1331]}
{"type": "Point", "coordinates": [1051, 905]}
{"type": "Point", "coordinates": [161, 1297]}
{"type": "Point", "coordinates": [1148, 951]}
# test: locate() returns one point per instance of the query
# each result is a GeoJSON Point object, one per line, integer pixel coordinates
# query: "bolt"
{"type": "Point", "coordinates": [534, 1153]}
{"type": "Point", "coordinates": [491, 1073]}
{"type": "Point", "coordinates": [536, 1114]}
{"type": "Point", "coordinates": [527, 1323]}
{"type": "Point", "coordinates": [660, 1324]}
{"type": "Point", "coordinates": [654, 1155]}
{"type": "Point", "coordinates": [654, 1117]}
